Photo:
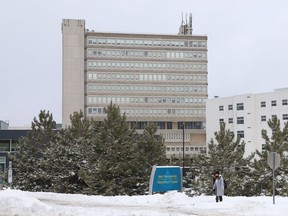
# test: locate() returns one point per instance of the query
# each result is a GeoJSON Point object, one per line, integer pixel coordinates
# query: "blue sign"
{"type": "Point", "coordinates": [165, 178]}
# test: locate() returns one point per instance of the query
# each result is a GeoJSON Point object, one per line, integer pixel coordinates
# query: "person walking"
{"type": "Point", "coordinates": [218, 186]}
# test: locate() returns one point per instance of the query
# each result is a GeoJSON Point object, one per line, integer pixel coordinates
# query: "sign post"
{"type": "Point", "coordinates": [273, 162]}
{"type": "Point", "coordinates": [10, 173]}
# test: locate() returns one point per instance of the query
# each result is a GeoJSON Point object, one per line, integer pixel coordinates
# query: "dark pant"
{"type": "Point", "coordinates": [220, 198]}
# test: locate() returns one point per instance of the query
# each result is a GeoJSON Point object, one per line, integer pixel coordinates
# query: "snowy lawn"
{"type": "Point", "coordinates": [20, 203]}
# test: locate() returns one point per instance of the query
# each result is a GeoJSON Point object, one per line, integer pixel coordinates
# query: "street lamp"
{"type": "Point", "coordinates": [183, 128]}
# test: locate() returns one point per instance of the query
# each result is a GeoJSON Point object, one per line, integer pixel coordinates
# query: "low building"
{"type": "Point", "coordinates": [8, 143]}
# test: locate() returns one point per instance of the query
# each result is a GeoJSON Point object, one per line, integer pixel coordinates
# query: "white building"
{"type": "Point", "coordinates": [246, 115]}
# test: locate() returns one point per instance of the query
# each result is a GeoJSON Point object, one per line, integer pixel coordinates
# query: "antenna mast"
{"type": "Point", "coordinates": [185, 27]}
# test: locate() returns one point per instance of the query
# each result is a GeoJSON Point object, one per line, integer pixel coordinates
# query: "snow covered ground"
{"type": "Point", "coordinates": [20, 203]}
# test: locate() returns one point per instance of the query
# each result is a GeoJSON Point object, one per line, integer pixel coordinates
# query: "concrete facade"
{"type": "Point", "coordinates": [73, 64]}
{"type": "Point", "coordinates": [151, 77]}
{"type": "Point", "coordinates": [246, 115]}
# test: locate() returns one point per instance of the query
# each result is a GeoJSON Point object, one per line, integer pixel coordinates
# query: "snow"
{"type": "Point", "coordinates": [22, 203]}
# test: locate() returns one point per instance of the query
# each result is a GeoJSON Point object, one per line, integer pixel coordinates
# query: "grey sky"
{"type": "Point", "coordinates": [247, 42]}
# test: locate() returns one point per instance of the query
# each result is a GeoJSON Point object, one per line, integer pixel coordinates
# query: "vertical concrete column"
{"type": "Point", "coordinates": [73, 68]}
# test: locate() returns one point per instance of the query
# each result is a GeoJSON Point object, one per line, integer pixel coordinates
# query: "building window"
{"type": "Point", "coordinates": [169, 125]}
{"type": "Point", "coordinates": [203, 150]}
{"type": "Point", "coordinates": [263, 147]}
{"type": "Point", "coordinates": [285, 116]}
{"type": "Point", "coordinates": [240, 106]}
{"type": "Point", "coordinates": [4, 145]}
{"type": "Point", "coordinates": [240, 120]}
{"type": "Point", "coordinates": [221, 108]}
{"type": "Point", "coordinates": [240, 134]}
{"type": "Point", "coordinates": [263, 118]}
{"type": "Point", "coordinates": [168, 149]}
{"type": "Point", "coordinates": [15, 144]}
{"type": "Point", "coordinates": [230, 120]}
{"type": "Point", "coordinates": [230, 107]}
{"type": "Point", "coordinates": [284, 102]}
{"type": "Point", "coordinates": [273, 103]}
{"type": "Point", "coordinates": [160, 125]}
{"type": "Point", "coordinates": [221, 120]}
{"type": "Point", "coordinates": [181, 124]}
{"type": "Point", "coordinates": [2, 164]}
{"type": "Point", "coordinates": [263, 104]}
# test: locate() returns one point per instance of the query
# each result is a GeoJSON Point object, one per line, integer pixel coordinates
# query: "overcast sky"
{"type": "Point", "coordinates": [247, 45]}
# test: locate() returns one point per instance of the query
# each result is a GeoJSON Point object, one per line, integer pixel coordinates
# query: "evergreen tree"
{"type": "Point", "coordinates": [67, 156]}
{"type": "Point", "coordinates": [151, 150]}
{"type": "Point", "coordinates": [226, 156]}
{"type": "Point", "coordinates": [29, 172]}
{"type": "Point", "coordinates": [152, 147]}
{"type": "Point", "coordinates": [262, 172]}
{"type": "Point", "coordinates": [201, 171]}
{"type": "Point", "coordinates": [117, 166]}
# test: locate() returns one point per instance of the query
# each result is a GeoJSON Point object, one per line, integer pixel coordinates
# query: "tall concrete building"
{"type": "Point", "coordinates": [151, 77]}
{"type": "Point", "coordinates": [246, 115]}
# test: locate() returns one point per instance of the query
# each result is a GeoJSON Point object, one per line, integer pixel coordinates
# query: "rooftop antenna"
{"type": "Point", "coordinates": [190, 23]}
{"type": "Point", "coordinates": [186, 28]}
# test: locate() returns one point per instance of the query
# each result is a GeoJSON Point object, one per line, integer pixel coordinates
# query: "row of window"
{"type": "Point", "coordinates": [240, 106]}
{"type": "Point", "coordinates": [197, 55]}
{"type": "Point", "coordinates": [142, 125]}
{"type": "Point", "coordinates": [144, 100]}
{"type": "Point", "coordinates": [8, 145]}
{"type": "Point", "coordinates": [147, 65]}
{"type": "Point", "coordinates": [145, 42]}
{"type": "Point", "coordinates": [144, 77]}
{"type": "Point", "coordinates": [142, 111]}
{"type": "Point", "coordinates": [168, 125]}
{"type": "Point", "coordinates": [240, 120]}
{"type": "Point", "coordinates": [274, 103]}
{"type": "Point", "coordinates": [284, 117]}
{"type": "Point", "coordinates": [93, 87]}
{"type": "Point", "coordinates": [187, 149]}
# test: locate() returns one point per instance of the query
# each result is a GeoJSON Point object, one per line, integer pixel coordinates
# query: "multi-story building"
{"type": "Point", "coordinates": [151, 77]}
{"type": "Point", "coordinates": [246, 115]}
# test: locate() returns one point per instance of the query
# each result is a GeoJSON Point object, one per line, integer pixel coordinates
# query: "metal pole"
{"type": "Point", "coordinates": [183, 128]}
{"type": "Point", "coordinates": [273, 178]}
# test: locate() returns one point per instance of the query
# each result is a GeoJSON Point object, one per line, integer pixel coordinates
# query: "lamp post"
{"type": "Point", "coordinates": [183, 128]}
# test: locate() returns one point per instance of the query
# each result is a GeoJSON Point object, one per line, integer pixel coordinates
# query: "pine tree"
{"type": "Point", "coordinates": [29, 173]}
{"type": "Point", "coordinates": [117, 166]}
{"type": "Point", "coordinates": [67, 156]}
{"type": "Point", "coordinates": [151, 150]}
{"type": "Point", "coordinates": [226, 156]}
{"type": "Point", "coordinates": [262, 172]}
{"type": "Point", "coordinates": [152, 147]}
